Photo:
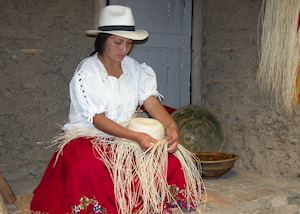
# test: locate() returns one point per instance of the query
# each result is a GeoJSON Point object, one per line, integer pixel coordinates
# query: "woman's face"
{"type": "Point", "coordinates": [116, 48]}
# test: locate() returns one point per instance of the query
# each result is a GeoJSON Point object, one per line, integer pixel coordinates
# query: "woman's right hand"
{"type": "Point", "coordinates": [145, 141]}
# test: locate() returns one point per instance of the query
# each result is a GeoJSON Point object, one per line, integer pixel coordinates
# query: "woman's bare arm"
{"type": "Point", "coordinates": [108, 126]}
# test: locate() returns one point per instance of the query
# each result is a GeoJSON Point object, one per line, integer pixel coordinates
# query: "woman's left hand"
{"type": "Point", "coordinates": [172, 134]}
{"type": "Point", "coordinates": [158, 112]}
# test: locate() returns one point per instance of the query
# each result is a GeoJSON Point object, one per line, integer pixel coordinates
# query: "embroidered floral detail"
{"type": "Point", "coordinates": [88, 206]}
{"type": "Point", "coordinates": [179, 198]}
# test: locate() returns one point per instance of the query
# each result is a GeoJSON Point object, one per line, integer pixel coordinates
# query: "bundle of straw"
{"type": "Point", "coordinates": [23, 203]}
{"type": "Point", "coordinates": [137, 173]}
{"type": "Point", "coordinates": [279, 52]}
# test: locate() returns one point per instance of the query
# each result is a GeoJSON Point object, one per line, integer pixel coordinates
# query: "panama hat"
{"type": "Point", "coordinates": [118, 20]}
{"type": "Point", "coordinates": [149, 126]}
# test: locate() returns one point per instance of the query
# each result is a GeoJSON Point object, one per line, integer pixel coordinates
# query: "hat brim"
{"type": "Point", "coordinates": [134, 35]}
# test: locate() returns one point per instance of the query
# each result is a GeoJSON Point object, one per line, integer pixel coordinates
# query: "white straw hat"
{"type": "Point", "coordinates": [149, 126]}
{"type": "Point", "coordinates": [118, 20]}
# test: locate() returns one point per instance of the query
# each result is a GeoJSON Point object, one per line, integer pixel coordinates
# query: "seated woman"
{"type": "Point", "coordinates": [101, 164]}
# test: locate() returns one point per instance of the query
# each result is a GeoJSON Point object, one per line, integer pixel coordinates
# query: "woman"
{"type": "Point", "coordinates": [105, 91]}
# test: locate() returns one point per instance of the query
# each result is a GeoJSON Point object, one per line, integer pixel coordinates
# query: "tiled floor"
{"type": "Point", "coordinates": [237, 192]}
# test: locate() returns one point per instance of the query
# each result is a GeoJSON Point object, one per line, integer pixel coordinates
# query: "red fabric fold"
{"type": "Point", "coordinates": [80, 178]}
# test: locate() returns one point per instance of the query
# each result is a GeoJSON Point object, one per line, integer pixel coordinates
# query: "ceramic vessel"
{"type": "Point", "coordinates": [200, 130]}
{"type": "Point", "coordinates": [216, 164]}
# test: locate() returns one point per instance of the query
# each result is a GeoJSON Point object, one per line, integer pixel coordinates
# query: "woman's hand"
{"type": "Point", "coordinates": [145, 141]}
{"type": "Point", "coordinates": [172, 133]}
{"type": "Point", "coordinates": [158, 112]}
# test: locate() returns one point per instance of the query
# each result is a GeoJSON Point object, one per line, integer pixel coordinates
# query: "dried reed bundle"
{"type": "Point", "coordinates": [131, 167]}
{"type": "Point", "coordinates": [3, 209]}
{"type": "Point", "coordinates": [279, 52]}
{"type": "Point", "coordinates": [137, 173]}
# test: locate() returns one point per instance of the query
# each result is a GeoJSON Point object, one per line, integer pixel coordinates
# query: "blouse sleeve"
{"type": "Point", "coordinates": [147, 84]}
{"type": "Point", "coordinates": [85, 94]}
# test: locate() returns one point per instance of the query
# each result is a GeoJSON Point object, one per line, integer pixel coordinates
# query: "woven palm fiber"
{"type": "Point", "coordinates": [23, 203]}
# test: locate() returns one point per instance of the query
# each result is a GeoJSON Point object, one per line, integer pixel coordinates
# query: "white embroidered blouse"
{"type": "Point", "coordinates": [93, 91]}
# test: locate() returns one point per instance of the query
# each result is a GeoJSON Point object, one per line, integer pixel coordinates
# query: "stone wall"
{"type": "Point", "coordinates": [41, 43]}
{"type": "Point", "coordinates": [267, 140]}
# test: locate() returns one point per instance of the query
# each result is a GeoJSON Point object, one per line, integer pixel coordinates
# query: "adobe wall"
{"type": "Point", "coordinates": [267, 140]}
{"type": "Point", "coordinates": [41, 43]}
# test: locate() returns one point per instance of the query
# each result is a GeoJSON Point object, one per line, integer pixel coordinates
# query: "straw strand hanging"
{"type": "Point", "coordinates": [279, 52]}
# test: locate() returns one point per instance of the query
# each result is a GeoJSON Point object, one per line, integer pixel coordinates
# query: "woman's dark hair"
{"type": "Point", "coordinates": [99, 43]}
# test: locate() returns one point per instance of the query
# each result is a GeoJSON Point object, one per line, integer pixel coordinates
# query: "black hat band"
{"type": "Point", "coordinates": [117, 27]}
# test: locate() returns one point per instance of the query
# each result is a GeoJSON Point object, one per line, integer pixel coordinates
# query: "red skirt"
{"type": "Point", "coordinates": [79, 182]}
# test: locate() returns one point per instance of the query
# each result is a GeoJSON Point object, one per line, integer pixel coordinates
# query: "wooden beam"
{"type": "Point", "coordinates": [6, 191]}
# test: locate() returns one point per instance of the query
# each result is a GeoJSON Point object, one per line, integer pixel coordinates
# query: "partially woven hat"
{"type": "Point", "coordinates": [149, 126]}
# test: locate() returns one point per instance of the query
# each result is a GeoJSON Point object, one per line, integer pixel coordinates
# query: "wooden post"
{"type": "Point", "coordinates": [6, 192]}
{"type": "Point", "coordinates": [197, 40]}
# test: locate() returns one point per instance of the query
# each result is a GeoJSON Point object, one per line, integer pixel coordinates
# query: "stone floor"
{"type": "Point", "coordinates": [241, 192]}
{"type": "Point", "coordinates": [237, 192]}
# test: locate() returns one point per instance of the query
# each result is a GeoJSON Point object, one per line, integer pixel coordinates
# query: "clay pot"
{"type": "Point", "coordinates": [216, 164]}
